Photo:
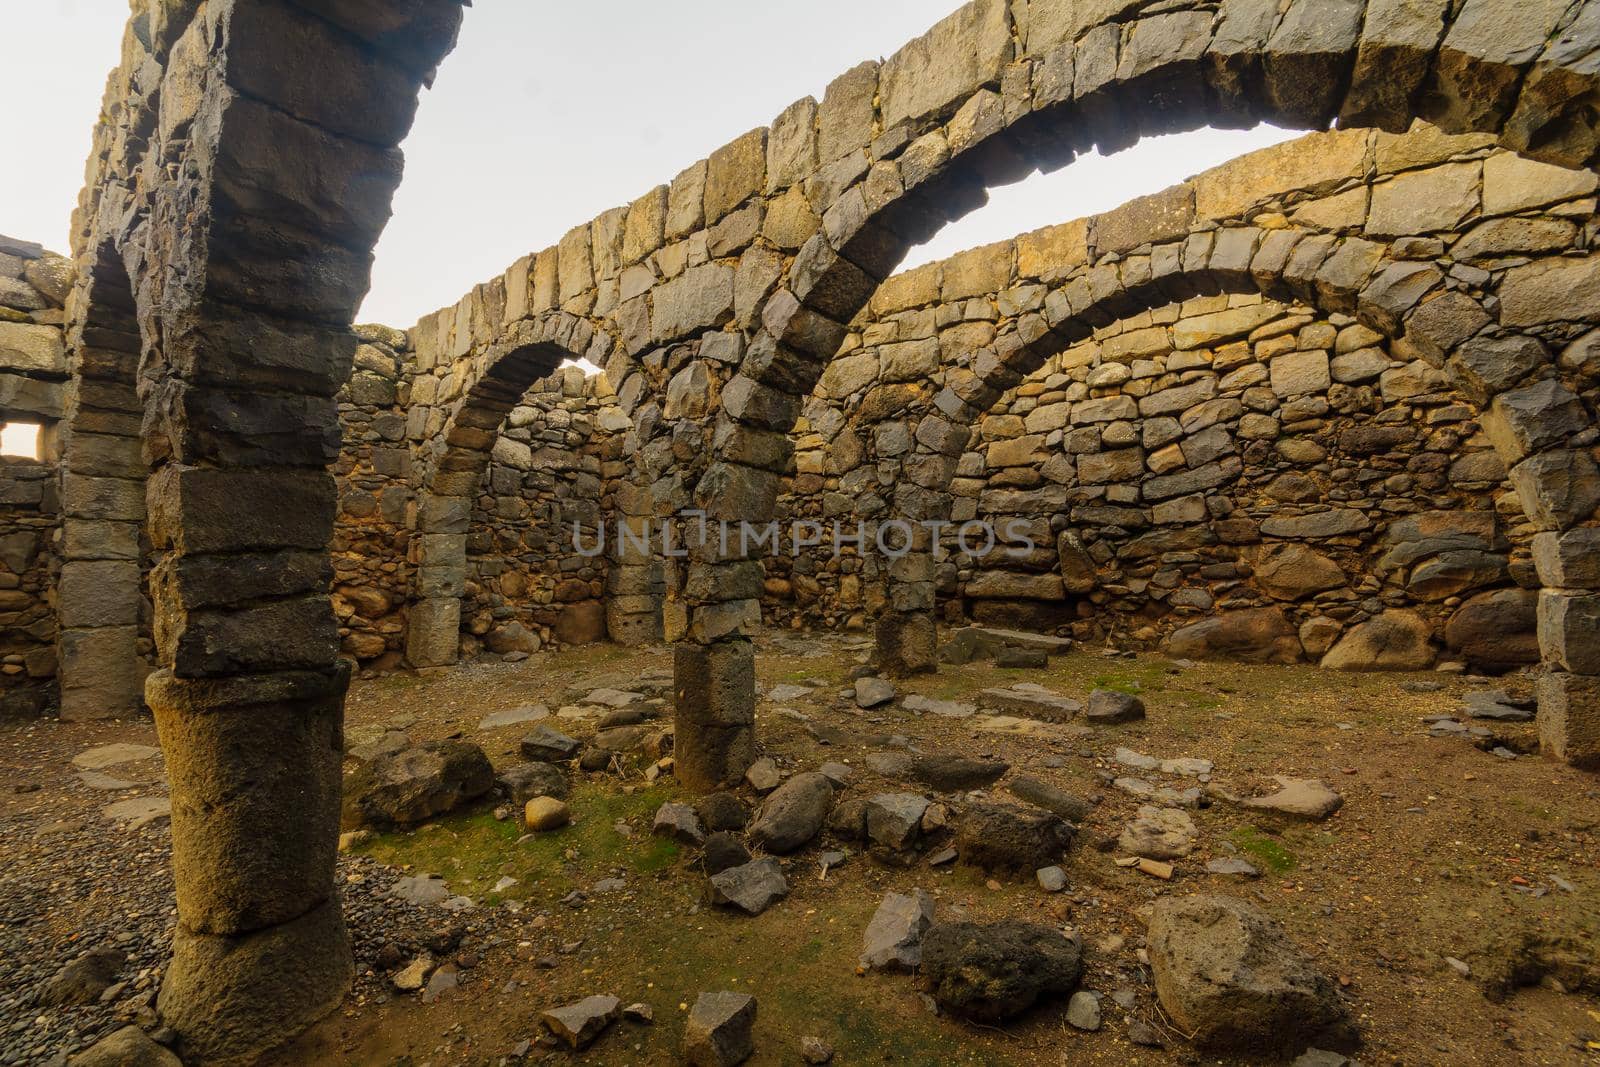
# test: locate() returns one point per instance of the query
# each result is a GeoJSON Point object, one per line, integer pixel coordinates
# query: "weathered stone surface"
{"type": "Point", "coordinates": [1049, 797]}
{"type": "Point", "coordinates": [1396, 640]}
{"type": "Point", "coordinates": [1007, 838]}
{"type": "Point", "coordinates": [989, 973]}
{"type": "Point", "coordinates": [793, 814]}
{"type": "Point", "coordinates": [576, 1025]}
{"type": "Point", "coordinates": [522, 783]}
{"type": "Point", "coordinates": [718, 1030]}
{"type": "Point", "coordinates": [127, 1047]}
{"type": "Point", "coordinates": [1291, 572]}
{"type": "Point", "coordinates": [1229, 976]}
{"type": "Point", "coordinates": [1159, 834]}
{"type": "Point", "coordinates": [1256, 635]}
{"type": "Point", "coordinates": [1308, 798]}
{"type": "Point", "coordinates": [1108, 707]}
{"type": "Point", "coordinates": [416, 784]}
{"type": "Point", "coordinates": [1497, 630]}
{"type": "Point", "coordinates": [893, 941]}
{"type": "Point", "coordinates": [752, 888]}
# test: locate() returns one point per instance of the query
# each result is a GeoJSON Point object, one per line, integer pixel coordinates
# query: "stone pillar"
{"type": "Point", "coordinates": [906, 635]}
{"type": "Point", "coordinates": [714, 687]}
{"type": "Point", "coordinates": [99, 594]}
{"type": "Point", "coordinates": [249, 704]}
{"type": "Point", "coordinates": [433, 629]}
{"type": "Point", "coordinates": [713, 609]}
{"type": "Point", "coordinates": [1569, 644]}
{"type": "Point", "coordinates": [261, 949]}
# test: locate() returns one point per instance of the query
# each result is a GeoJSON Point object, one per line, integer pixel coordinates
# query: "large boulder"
{"type": "Point", "coordinates": [1496, 631]}
{"type": "Point", "coordinates": [793, 814]}
{"type": "Point", "coordinates": [988, 973]}
{"type": "Point", "coordinates": [1396, 640]}
{"type": "Point", "coordinates": [417, 783]}
{"type": "Point", "coordinates": [1009, 838]}
{"type": "Point", "coordinates": [1255, 635]}
{"type": "Point", "coordinates": [1228, 975]}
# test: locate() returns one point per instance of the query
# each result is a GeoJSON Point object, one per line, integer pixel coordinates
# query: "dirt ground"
{"type": "Point", "coordinates": [1441, 849]}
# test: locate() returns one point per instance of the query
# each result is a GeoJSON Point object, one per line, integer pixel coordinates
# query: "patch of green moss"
{"type": "Point", "coordinates": [474, 850]}
{"type": "Point", "coordinates": [1267, 850]}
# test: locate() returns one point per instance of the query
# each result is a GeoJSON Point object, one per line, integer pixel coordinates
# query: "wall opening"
{"type": "Point", "coordinates": [22, 440]}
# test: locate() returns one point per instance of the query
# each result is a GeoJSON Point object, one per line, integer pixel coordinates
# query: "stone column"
{"type": "Point", "coordinates": [274, 162]}
{"type": "Point", "coordinates": [433, 628]}
{"type": "Point", "coordinates": [906, 634]}
{"type": "Point", "coordinates": [1569, 643]}
{"type": "Point", "coordinates": [713, 609]}
{"type": "Point", "coordinates": [99, 594]}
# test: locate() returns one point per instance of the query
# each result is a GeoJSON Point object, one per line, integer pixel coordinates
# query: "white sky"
{"type": "Point", "coordinates": [548, 113]}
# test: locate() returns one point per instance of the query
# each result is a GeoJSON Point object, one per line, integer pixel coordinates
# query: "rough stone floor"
{"type": "Point", "coordinates": [1452, 897]}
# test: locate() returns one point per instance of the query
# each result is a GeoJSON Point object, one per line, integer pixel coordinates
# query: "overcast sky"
{"type": "Point", "coordinates": [548, 113]}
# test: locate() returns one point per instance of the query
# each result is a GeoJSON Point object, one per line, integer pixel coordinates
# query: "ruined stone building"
{"type": "Point", "coordinates": [1333, 401]}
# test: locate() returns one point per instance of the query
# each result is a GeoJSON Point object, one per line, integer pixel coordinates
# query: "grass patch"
{"type": "Point", "coordinates": [1269, 852]}
{"type": "Point", "coordinates": [475, 850]}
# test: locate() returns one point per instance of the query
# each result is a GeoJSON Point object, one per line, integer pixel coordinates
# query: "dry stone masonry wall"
{"type": "Point", "coordinates": [33, 372]}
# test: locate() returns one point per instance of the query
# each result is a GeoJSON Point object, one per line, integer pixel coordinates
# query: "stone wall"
{"type": "Point", "coordinates": [1298, 465]}
{"type": "Point", "coordinates": [33, 370]}
{"type": "Point", "coordinates": [371, 550]}
{"type": "Point", "coordinates": [527, 584]}
{"type": "Point", "coordinates": [1188, 460]}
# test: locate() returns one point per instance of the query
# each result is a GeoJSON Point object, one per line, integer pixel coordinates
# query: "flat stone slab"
{"type": "Point", "coordinates": [513, 716]}
{"type": "Point", "coordinates": [949, 709]}
{"type": "Point", "coordinates": [1307, 798]}
{"type": "Point", "coordinates": [102, 756]}
{"type": "Point", "coordinates": [96, 780]}
{"type": "Point", "coordinates": [1030, 701]}
{"type": "Point", "coordinates": [613, 698]}
{"type": "Point", "coordinates": [1497, 705]}
{"type": "Point", "coordinates": [987, 642]}
{"type": "Point", "coordinates": [782, 693]}
{"type": "Point", "coordinates": [138, 812]}
{"type": "Point", "coordinates": [421, 889]}
{"type": "Point", "coordinates": [1025, 727]}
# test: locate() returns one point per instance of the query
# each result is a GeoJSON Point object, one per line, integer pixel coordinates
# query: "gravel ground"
{"type": "Point", "coordinates": [74, 881]}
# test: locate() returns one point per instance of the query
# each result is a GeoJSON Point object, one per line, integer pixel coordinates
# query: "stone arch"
{"type": "Point", "coordinates": [994, 90]}
{"type": "Point", "coordinates": [244, 196]}
{"type": "Point", "coordinates": [1499, 362]}
{"type": "Point", "coordinates": [101, 588]}
{"type": "Point", "coordinates": [505, 371]}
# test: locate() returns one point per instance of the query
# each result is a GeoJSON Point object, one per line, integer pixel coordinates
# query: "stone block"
{"type": "Point", "coordinates": [101, 673]}
{"type": "Point", "coordinates": [1569, 560]}
{"type": "Point", "coordinates": [935, 72]}
{"type": "Point", "coordinates": [1532, 418]}
{"type": "Point", "coordinates": [1569, 630]}
{"type": "Point", "coordinates": [1569, 718]}
{"type": "Point", "coordinates": [31, 349]}
{"type": "Point", "coordinates": [1551, 290]}
{"type": "Point", "coordinates": [1148, 219]}
{"type": "Point", "coordinates": [734, 173]}
{"type": "Point", "coordinates": [98, 593]}
{"type": "Point", "coordinates": [1557, 489]}
{"type": "Point", "coordinates": [699, 299]}
{"type": "Point", "coordinates": [433, 632]}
